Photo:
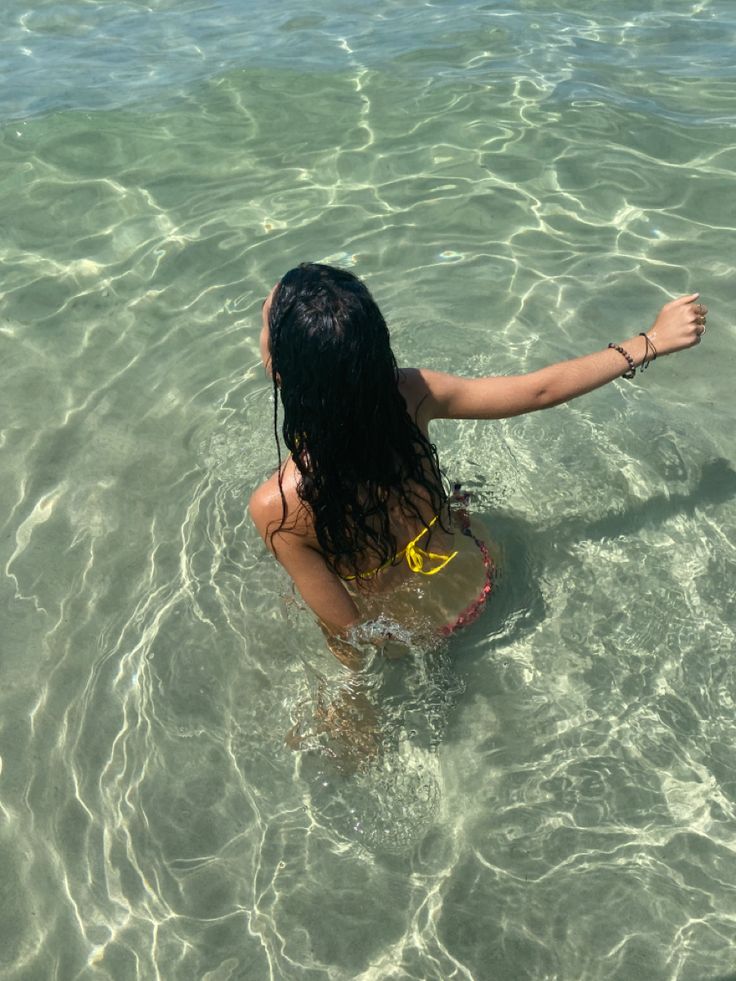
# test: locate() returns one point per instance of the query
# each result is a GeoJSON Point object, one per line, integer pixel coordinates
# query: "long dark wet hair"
{"type": "Point", "coordinates": [345, 421]}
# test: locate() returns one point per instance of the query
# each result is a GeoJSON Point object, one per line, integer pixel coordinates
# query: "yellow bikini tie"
{"type": "Point", "coordinates": [415, 556]}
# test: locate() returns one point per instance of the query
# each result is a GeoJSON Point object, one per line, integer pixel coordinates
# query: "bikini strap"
{"type": "Point", "coordinates": [415, 555]}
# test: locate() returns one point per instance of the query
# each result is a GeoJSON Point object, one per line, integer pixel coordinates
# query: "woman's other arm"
{"type": "Point", "coordinates": [320, 588]}
{"type": "Point", "coordinates": [678, 326]}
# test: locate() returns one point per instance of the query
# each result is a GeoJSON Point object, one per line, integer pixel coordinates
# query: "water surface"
{"type": "Point", "coordinates": [556, 793]}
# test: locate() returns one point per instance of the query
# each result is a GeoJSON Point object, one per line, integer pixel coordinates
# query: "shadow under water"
{"type": "Point", "coordinates": [519, 605]}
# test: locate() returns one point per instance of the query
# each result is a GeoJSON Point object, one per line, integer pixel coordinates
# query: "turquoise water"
{"type": "Point", "coordinates": [556, 793]}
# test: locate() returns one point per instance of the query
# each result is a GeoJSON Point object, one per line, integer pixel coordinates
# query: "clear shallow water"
{"type": "Point", "coordinates": [555, 798]}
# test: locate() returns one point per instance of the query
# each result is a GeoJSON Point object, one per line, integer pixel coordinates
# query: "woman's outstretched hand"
{"type": "Point", "coordinates": [679, 324]}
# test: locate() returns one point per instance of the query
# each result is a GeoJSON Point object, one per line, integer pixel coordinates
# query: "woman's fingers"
{"type": "Point", "coordinates": [683, 300]}
{"type": "Point", "coordinates": [680, 324]}
{"type": "Point", "coordinates": [696, 314]}
{"type": "Point", "coordinates": [698, 317]}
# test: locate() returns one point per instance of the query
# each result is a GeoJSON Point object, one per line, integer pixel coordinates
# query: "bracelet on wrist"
{"type": "Point", "coordinates": [649, 347]}
{"type": "Point", "coordinates": [631, 370]}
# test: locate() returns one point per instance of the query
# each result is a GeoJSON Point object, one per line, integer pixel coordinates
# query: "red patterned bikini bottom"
{"type": "Point", "coordinates": [474, 610]}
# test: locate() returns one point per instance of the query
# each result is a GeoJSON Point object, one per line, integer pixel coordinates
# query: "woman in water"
{"type": "Point", "coordinates": [357, 512]}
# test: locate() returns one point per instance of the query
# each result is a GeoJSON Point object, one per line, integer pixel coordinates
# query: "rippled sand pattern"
{"type": "Point", "coordinates": [551, 796]}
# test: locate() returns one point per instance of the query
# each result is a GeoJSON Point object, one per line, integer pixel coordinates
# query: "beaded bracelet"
{"type": "Point", "coordinates": [632, 367]}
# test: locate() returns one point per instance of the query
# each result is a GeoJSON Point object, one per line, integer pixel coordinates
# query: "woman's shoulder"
{"type": "Point", "coordinates": [265, 504]}
{"type": "Point", "coordinates": [420, 388]}
{"type": "Point", "coordinates": [414, 388]}
{"type": "Point", "coordinates": [274, 501]}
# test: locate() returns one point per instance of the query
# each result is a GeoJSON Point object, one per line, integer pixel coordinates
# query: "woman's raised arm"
{"type": "Point", "coordinates": [679, 325]}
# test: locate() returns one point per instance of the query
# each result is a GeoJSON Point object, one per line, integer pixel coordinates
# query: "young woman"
{"type": "Point", "coordinates": [358, 513]}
